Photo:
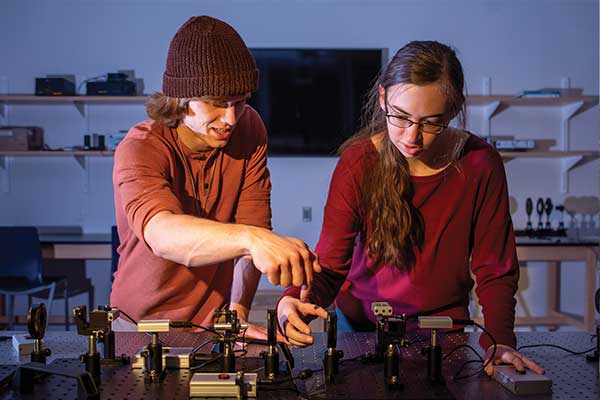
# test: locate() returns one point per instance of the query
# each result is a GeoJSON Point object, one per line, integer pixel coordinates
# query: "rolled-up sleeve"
{"type": "Point", "coordinates": [254, 201]}
{"type": "Point", "coordinates": [140, 176]}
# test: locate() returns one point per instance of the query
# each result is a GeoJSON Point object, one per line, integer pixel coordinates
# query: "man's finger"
{"type": "Point", "coordinates": [285, 279]}
{"type": "Point", "coordinates": [273, 275]}
{"type": "Point", "coordinates": [315, 262]}
{"type": "Point", "coordinates": [308, 270]}
{"type": "Point", "coordinates": [297, 275]}
{"type": "Point", "coordinates": [304, 292]}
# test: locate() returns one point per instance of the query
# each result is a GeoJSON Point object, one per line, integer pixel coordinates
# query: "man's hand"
{"type": "Point", "coordinates": [289, 314]}
{"type": "Point", "coordinates": [508, 355]}
{"type": "Point", "coordinates": [286, 261]}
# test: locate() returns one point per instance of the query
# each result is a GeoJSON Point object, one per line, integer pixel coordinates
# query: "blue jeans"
{"type": "Point", "coordinates": [343, 325]}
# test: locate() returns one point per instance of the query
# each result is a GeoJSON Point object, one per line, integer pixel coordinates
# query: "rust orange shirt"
{"type": "Point", "coordinates": [150, 176]}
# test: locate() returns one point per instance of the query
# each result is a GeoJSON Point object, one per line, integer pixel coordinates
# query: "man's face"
{"type": "Point", "coordinates": [212, 119]}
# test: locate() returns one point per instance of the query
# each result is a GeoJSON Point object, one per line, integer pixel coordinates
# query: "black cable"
{"type": "Point", "coordinates": [127, 316]}
{"type": "Point", "coordinates": [304, 374]}
{"type": "Point", "coordinates": [457, 374]}
{"type": "Point", "coordinates": [462, 346]}
{"type": "Point", "coordinates": [88, 80]}
{"type": "Point", "coordinates": [471, 322]}
{"type": "Point", "coordinates": [289, 389]}
{"type": "Point", "coordinates": [368, 356]}
{"type": "Point", "coordinates": [188, 324]}
{"type": "Point", "coordinates": [577, 353]}
{"type": "Point", "coordinates": [201, 345]}
{"type": "Point", "coordinates": [208, 362]}
{"type": "Point", "coordinates": [244, 350]}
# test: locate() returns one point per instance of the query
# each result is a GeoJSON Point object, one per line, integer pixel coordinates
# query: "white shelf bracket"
{"type": "Point", "coordinates": [4, 112]}
{"type": "Point", "coordinates": [489, 110]}
{"type": "Point", "coordinates": [568, 111]}
{"type": "Point", "coordinates": [81, 107]}
{"type": "Point", "coordinates": [83, 162]}
{"type": "Point", "coordinates": [569, 163]}
{"type": "Point", "coordinates": [5, 166]}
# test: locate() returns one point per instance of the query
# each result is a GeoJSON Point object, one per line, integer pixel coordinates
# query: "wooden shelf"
{"type": "Point", "coordinates": [32, 99]}
{"type": "Point", "coordinates": [50, 153]}
{"type": "Point", "coordinates": [474, 100]}
{"type": "Point", "coordinates": [548, 154]}
{"type": "Point", "coordinates": [478, 100]}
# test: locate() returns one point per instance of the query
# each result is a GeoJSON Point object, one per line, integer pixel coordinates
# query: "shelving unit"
{"type": "Point", "coordinates": [81, 103]}
{"type": "Point", "coordinates": [78, 101]}
{"type": "Point", "coordinates": [569, 106]}
{"type": "Point", "coordinates": [492, 105]}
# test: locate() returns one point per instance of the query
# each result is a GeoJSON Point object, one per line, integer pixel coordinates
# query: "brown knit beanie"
{"type": "Point", "coordinates": [207, 57]}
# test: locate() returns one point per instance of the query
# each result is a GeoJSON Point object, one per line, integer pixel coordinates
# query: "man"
{"type": "Point", "coordinates": [192, 190]}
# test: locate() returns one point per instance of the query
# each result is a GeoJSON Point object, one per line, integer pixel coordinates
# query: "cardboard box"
{"type": "Point", "coordinates": [21, 138]}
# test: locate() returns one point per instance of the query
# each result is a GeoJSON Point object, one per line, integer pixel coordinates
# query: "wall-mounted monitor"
{"type": "Point", "coordinates": [311, 99]}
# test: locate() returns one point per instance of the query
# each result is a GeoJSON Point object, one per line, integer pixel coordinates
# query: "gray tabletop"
{"type": "Point", "coordinates": [573, 377]}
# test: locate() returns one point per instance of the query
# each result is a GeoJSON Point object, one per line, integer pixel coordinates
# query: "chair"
{"type": "Point", "coordinates": [69, 275]}
{"type": "Point", "coordinates": [21, 267]}
{"type": "Point", "coordinates": [71, 280]}
{"type": "Point", "coordinates": [115, 255]}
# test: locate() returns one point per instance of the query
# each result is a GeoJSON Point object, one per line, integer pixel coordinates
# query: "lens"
{"type": "Point", "coordinates": [430, 128]}
{"type": "Point", "coordinates": [399, 121]}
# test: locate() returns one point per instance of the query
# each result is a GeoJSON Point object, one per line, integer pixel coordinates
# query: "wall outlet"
{"type": "Point", "coordinates": [306, 214]}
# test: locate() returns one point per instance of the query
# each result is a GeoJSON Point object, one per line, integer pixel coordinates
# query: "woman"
{"type": "Point", "coordinates": [412, 204]}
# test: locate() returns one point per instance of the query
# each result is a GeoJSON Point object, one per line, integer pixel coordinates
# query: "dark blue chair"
{"type": "Point", "coordinates": [21, 267]}
{"type": "Point", "coordinates": [70, 275]}
{"type": "Point", "coordinates": [115, 255]}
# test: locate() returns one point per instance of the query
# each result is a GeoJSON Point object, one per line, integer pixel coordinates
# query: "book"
{"type": "Point", "coordinates": [566, 92]}
{"type": "Point", "coordinates": [541, 93]}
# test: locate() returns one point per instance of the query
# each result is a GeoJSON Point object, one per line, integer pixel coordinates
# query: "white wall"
{"type": "Point", "coordinates": [519, 45]}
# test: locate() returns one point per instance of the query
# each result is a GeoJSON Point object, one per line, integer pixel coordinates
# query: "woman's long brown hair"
{"type": "Point", "coordinates": [397, 228]}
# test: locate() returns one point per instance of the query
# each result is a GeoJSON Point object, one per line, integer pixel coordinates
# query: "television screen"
{"type": "Point", "coordinates": [311, 99]}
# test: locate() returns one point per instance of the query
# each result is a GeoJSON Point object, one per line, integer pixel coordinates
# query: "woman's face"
{"type": "Point", "coordinates": [421, 107]}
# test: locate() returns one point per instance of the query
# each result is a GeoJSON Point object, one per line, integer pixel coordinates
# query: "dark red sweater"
{"type": "Point", "coordinates": [466, 216]}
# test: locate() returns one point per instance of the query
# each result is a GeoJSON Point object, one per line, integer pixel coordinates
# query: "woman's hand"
{"type": "Point", "coordinates": [259, 332]}
{"type": "Point", "coordinates": [508, 355]}
{"type": "Point", "coordinates": [290, 313]}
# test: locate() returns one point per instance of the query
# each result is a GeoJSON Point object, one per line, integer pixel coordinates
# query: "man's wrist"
{"type": "Point", "coordinates": [246, 236]}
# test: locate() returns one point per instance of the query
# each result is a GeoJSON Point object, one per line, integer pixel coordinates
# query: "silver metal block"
{"type": "Point", "coordinates": [522, 384]}
{"type": "Point", "coordinates": [221, 385]}
{"type": "Point", "coordinates": [435, 322]}
{"type": "Point", "coordinates": [153, 325]}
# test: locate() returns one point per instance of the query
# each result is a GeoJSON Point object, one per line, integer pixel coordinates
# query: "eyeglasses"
{"type": "Point", "coordinates": [427, 127]}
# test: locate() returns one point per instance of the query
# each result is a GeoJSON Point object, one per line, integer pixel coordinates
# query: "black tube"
{"type": "Point", "coordinates": [109, 345]}
{"type": "Point", "coordinates": [228, 359]}
{"type": "Point", "coordinates": [271, 357]}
